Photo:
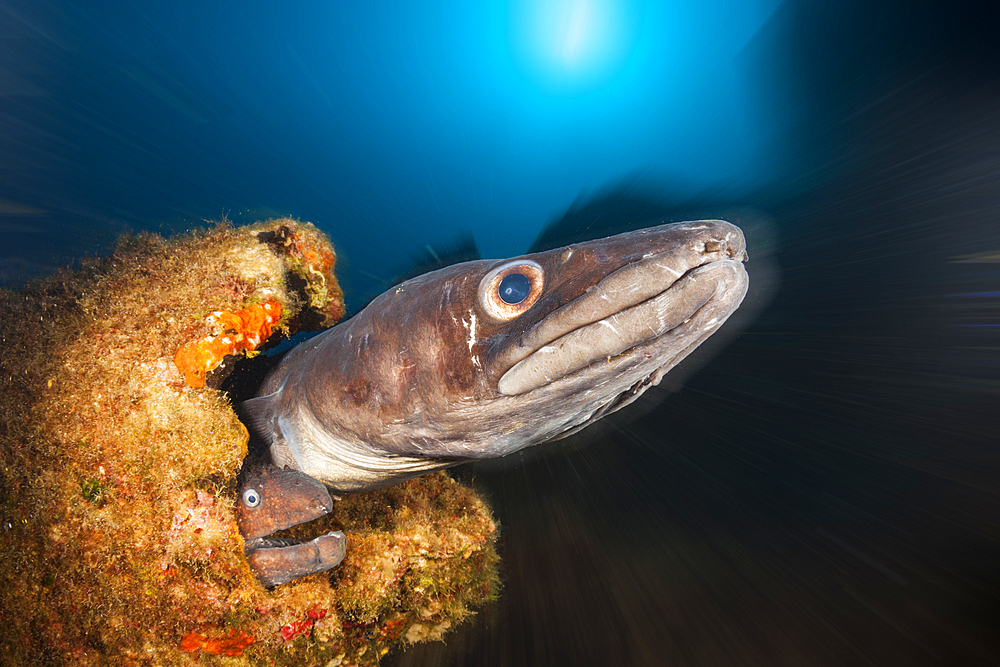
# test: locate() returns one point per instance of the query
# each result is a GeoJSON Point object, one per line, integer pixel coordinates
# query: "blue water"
{"type": "Point", "coordinates": [824, 490]}
{"type": "Point", "coordinates": [372, 120]}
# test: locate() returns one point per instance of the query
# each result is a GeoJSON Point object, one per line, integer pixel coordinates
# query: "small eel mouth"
{"type": "Point", "coordinates": [273, 499]}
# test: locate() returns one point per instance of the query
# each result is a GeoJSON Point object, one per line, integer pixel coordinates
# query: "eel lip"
{"type": "Point", "coordinates": [278, 561]}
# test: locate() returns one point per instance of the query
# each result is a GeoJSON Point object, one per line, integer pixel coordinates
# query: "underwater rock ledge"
{"type": "Point", "coordinates": [118, 473]}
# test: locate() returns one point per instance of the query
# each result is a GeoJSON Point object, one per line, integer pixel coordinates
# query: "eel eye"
{"type": "Point", "coordinates": [251, 498]}
{"type": "Point", "coordinates": [514, 288]}
{"type": "Point", "coordinates": [511, 288]}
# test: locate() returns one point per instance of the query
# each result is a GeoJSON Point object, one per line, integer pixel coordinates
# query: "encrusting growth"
{"type": "Point", "coordinates": [242, 331]}
{"type": "Point", "coordinates": [119, 457]}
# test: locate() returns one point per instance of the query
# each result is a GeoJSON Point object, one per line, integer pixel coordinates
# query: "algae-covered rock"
{"type": "Point", "coordinates": [118, 469]}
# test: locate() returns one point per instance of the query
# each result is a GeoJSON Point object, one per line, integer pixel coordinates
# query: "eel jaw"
{"type": "Point", "coordinates": [278, 561]}
{"type": "Point", "coordinates": [647, 299]}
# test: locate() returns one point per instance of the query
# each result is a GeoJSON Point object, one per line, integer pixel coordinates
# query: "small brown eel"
{"type": "Point", "coordinates": [272, 499]}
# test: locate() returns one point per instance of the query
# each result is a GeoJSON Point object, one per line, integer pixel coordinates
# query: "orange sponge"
{"type": "Point", "coordinates": [233, 333]}
{"type": "Point", "coordinates": [231, 644]}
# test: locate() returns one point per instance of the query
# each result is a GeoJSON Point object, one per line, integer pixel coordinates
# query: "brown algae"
{"type": "Point", "coordinates": [117, 479]}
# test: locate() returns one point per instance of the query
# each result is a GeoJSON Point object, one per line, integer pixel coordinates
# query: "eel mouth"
{"type": "Point", "coordinates": [273, 499]}
{"type": "Point", "coordinates": [668, 300]}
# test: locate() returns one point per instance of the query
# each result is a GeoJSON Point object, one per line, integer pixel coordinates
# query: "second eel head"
{"type": "Point", "coordinates": [273, 499]}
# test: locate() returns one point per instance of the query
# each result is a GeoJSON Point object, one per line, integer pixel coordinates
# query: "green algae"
{"type": "Point", "coordinates": [117, 480]}
{"type": "Point", "coordinates": [92, 491]}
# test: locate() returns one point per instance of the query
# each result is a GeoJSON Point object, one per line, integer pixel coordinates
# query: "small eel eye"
{"type": "Point", "coordinates": [511, 288]}
{"type": "Point", "coordinates": [251, 498]}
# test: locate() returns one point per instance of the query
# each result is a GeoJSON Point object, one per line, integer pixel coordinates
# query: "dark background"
{"type": "Point", "coordinates": [823, 490]}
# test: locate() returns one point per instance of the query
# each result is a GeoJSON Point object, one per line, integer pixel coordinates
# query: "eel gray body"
{"type": "Point", "coordinates": [484, 358]}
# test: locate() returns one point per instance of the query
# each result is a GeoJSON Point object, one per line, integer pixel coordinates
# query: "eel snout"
{"type": "Point", "coordinates": [273, 499]}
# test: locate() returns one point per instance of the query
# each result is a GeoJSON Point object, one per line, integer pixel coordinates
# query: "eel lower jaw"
{"type": "Point", "coordinates": [277, 561]}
